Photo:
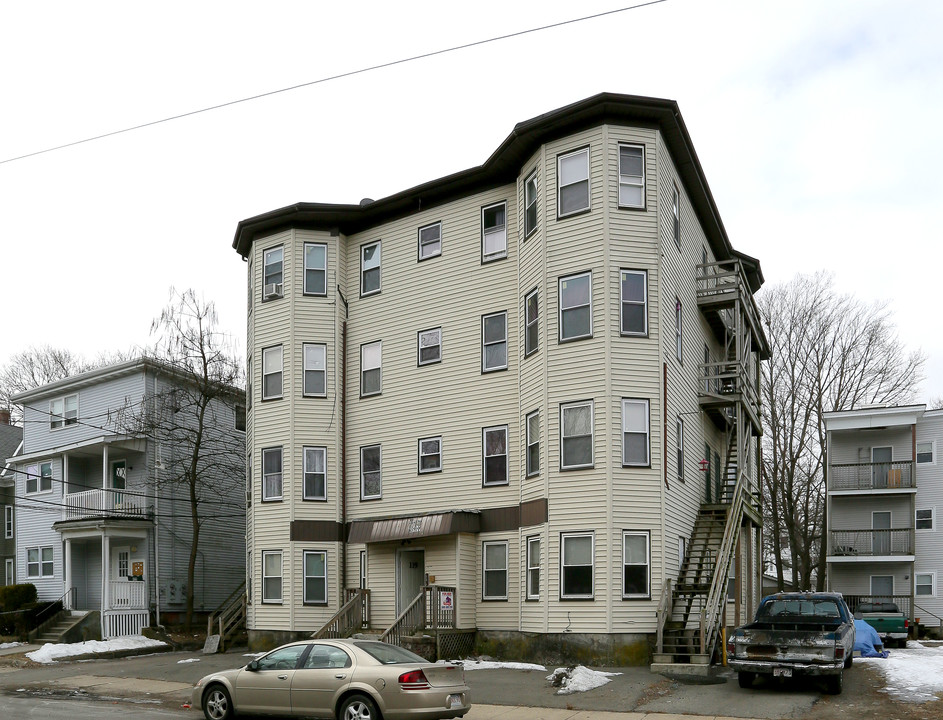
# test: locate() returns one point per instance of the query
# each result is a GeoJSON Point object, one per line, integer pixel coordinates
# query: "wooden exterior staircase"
{"type": "Point", "coordinates": [229, 619]}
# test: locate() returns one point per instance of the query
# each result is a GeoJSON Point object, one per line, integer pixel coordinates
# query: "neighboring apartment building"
{"type": "Point", "coordinates": [98, 525]}
{"type": "Point", "coordinates": [11, 442]}
{"type": "Point", "coordinates": [885, 489]}
{"type": "Point", "coordinates": [519, 382]}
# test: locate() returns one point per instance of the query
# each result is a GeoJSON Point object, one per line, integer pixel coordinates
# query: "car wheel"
{"type": "Point", "coordinates": [833, 684]}
{"type": "Point", "coordinates": [745, 679]}
{"type": "Point", "coordinates": [359, 707]}
{"type": "Point", "coordinates": [217, 705]}
{"type": "Point", "coordinates": [849, 660]}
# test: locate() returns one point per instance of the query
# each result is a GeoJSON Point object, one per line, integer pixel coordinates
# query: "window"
{"type": "Point", "coordinates": [732, 583]}
{"type": "Point", "coordinates": [315, 473]}
{"type": "Point", "coordinates": [576, 307]}
{"type": "Point", "coordinates": [494, 342]}
{"type": "Point", "coordinates": [494, 582]}
{"type": "Point", "coordinates": [676, 216]}
{"type": "Point", "coordinates": [271, 576]}
{"type": "Point", "coordinates": [430, 455]}
{"type": "Point", "coordinates": [371, 368]}
{"type": "Point", "coordinates": [635, 432]}
{"type": "Point", "coordinates": [679, 444]}
{"type": "Point", "coordinates": [249, 371]}
{"type": "Point", "coordinates": [533, 443]}
{"type": "Point", "coordinates": [239, 417]}
{"type": "Point", "coordinates": [63, 411]}
{"type": "Point", "coordinates": [925, 452]}
{"type": "Point", "coordinates": [494, 233]}
{"type": "Point", "coordinates": [494, 451]}
{"type": "Point", "coordinates": [7, 521]}
{"type": "Point", "coordinates": [576, 565]}
{"type": "Point", "coordinates": [631, 176]}
{"type": "Point", "coordinates": [370, 269]}
{"type": "Point", "coordinates": [363, 569]}
{"type": "Point", "coordinates": [576, 435]}
{"type": "Point", "coordinates": [39, 478]}
{"type": "Point", "coordinates": [249, 479]}
{"type": "Point", "coordinates": [371, 478]}
{"type": "Point", "coordinates": [707, 368]}
{"type": "Point", "coordinates": [924, 519]}
{"type": "Point", "coordinates": [533, 568]}
{"type": "Point", "coordinates": [531, 324]}
{"type": "Point", "coordinates": [271, 474]}
{"type": "Point", "coordinates": [272, 273]}
{"type": "Point", "coordinates": [315, 269]}
{"type": "Point", "coordinates": [315, 572]}
{"type": "Point", "coordinates": [635, 565]}
{"type": "Point", "coordinates": [39, 562]}
{"type": "Point", "coordinates": [634, 296]}
{"type": "Point", "coordinates": [573, 179]}
{"type": "Point", "coordinates": [430, 346]}
{"type": "Point", "coordinates": [925, 584]}
{"type": "Point", "coordinates": [430, 241]}
{"type": "Point", "coordinates": [314, 357]}
{"type": "Point", "coordinates": [272, 373]}
{"type": "Point", "coordinates": [678, 343]}
{"type": "Point", "coordinates": [530, 204]}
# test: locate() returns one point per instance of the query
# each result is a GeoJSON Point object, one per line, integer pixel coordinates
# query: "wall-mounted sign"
{"type": "Point", "coordinates": [446, 600]}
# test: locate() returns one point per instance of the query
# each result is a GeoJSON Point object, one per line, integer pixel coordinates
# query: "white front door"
{"type": "Point", "coordinates": [410, 575]}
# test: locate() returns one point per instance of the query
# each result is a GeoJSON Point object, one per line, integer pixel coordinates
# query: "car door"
{"type": "Point", "coordinates": [323, 675]}
{"type": "Point", "coordinates": [265, 686]}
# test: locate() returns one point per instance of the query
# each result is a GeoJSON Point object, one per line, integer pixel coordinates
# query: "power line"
{"type": "Point", "coordinates": [339, 76]}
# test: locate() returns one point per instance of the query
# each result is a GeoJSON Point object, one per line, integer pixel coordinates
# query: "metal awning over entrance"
{"type": "Point", "coordinates": [414, 526]}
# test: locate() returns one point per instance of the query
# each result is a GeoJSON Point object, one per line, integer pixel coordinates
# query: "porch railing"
{"type": "Point", "coordinates": [127, 594]}
{"type": "Point", "coordinates": [903, 602]}
{"type": "Point", "coordinates": [432, 609]}
{"type": "Point", "coordinates": [352, 617]}
{"type": "Point", "coordinates": [872, 476]}
{"type": "Point", "coordinates": [103, 502]}
{"type": "Point", "coordinates": [897, 541]}
{"type": "Point", "coordinates": [121, 623]}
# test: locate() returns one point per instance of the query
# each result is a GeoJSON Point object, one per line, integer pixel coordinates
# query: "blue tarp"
{"type": "Point", "coordinates": [867, 640]}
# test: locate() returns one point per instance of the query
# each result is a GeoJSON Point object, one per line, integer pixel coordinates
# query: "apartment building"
{"type": "Point", "coordinates": [516, 387]}
{"type": "Point", "coordinates": [885, 484]}
{"type": "Point", "coordinates": [11, 442]}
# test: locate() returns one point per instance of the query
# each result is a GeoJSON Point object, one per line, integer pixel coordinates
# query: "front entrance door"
{"type": "Point", "coordinates": [881, 532]}
{"type": "Point", "coordinates": [882, 587]}
{"type": "Point", "coordinates": [410, 575]}
{"type": "Point", "coordinates": [119, 478]}
{"type": "Point", "coordinates": [881, 458]}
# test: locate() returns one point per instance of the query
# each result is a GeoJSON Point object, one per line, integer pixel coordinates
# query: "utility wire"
{"type": "Point", "coordinates": [339, 76]}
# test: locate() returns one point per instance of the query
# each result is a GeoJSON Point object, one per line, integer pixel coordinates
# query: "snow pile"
{"type": "Point", "coordinates": [4, 646]}
{"type": "Point", "coordinates": [188, 660]}
{"type": "Point", "coordinates": [50, 652]}
{"type": "Point", "coordinates": [914, 674]}
{"type": "Point", "coordinates": [578, 679]}
{"type": "Point", "coordinates": [494, 665]}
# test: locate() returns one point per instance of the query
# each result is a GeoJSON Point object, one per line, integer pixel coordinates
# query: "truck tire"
{"type": "Point", "coordinates": [849, 660]}
{"type": "Point", "coordinates": [833, 684]}
{"type": "Point", "coordinates": [745, 679]}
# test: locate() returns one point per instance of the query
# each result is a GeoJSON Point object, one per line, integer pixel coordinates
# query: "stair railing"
{"type": "Point", "coordinates": [410, 620]}
{"type": "Point", "coordinates": [229, 616]}
{"type": "Point", "coordinates": [663, 615]}
{"type": "Point", "coordinates": [349, 619]}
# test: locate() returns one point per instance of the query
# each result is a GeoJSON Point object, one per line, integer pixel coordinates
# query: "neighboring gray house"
{"type": "Point", "coordinates": [885, 490]}
{"type": "Point", "coordinates": [95, 526]}
{"type": "Point", "coordinates": [11, 442]}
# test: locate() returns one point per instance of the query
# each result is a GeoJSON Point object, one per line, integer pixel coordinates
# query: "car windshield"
{"type": "Point", "coordinates": [801, 609]}
{"type": "Point", "coordinates": [389, 654]}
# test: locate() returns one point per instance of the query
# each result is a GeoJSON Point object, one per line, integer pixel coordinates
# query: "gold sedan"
{"type": "Point", "coordinates": [344, 679]}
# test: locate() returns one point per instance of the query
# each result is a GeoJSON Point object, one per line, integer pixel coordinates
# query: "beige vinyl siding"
{"type": "Point", "coordinates": [499, 614]}
{"type": "Point", "coordinates": [534, 612]}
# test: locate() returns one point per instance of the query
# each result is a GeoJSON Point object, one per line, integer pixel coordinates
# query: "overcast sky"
{"type": "Point", "coordinates": [817, 124]}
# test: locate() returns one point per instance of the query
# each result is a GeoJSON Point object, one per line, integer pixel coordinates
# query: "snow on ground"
{"type": "Point", "coordinates": [4, 646]}
{"type": "Point", "coordinates": [495, 665]}
{"type": "Point", "coordinates": [188, 660]}
{"type": "Point", "coordinates": [914, 674]}
{"type": "Point", "coordinates": [50, 652]}
{"type": "Point", "coordinates": [578, 679]}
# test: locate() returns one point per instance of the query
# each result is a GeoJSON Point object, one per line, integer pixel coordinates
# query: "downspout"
{"type": "Point", "coordinates": [158, 463]}
{"type": "Point", "coordinates": [664, 422]}
{"type": "Point", "coordinates": [343, 463]}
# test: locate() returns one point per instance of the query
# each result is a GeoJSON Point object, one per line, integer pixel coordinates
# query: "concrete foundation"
{"type": "Point", "coordinates": [616, 649]}
{"type": "Point", "coordinates": [265, 640]}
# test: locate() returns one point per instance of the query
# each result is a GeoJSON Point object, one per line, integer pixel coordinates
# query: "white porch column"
{"type": "Point", "coordinates": [106, 573]}
{"type": "Point", "coordinates": [105, 466]}
{"type": "Point", "coordinates": [65, 481]}
{"type": "Point", "coordinates": [67, 600]}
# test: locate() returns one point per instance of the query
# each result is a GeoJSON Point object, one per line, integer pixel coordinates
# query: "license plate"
{"type": "Point", "coordinates": [782, 672]}
{"type": "Point", "coordinates": [455, 701]}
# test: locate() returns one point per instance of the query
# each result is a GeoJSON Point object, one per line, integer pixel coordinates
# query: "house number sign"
{"type": "Point", "coordinates": [415, 525]}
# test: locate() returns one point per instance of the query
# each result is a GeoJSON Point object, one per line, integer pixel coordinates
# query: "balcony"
{"type": "Point", "coordinates": [105, 502]}
{"type": "Point", "coordinates": [872, 476]}
{"type": "Point", "coordinates": [724, 385]}
{"type": "Point", "coordinates": [851, 544]}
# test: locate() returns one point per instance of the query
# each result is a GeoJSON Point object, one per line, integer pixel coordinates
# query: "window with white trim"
{"type": "Point", "coordinates": [371, 477]}
{"type": "Point", "coordinates": [39, 478]}
{"type": "Point", "coordinates": [679, 446]}
{"type": "Point", "coordinates": [573, 181]}
{"type": "Point", "coordinates": [271, 576]}
{"type": "Point", "coordinates": [7, 521]}
{"type": "Point", "coordinates": [249, 370]}
{"type": "Point", "coordinates": [271, 474]}
{"type": "Point", "coordinates": [430, 454]}
{"type": "Point", "coordinates": [678, 336]}
{"type": "Point", "coordinates": [239, 417]}
{"type": "Point", "coordinates": [315, 473]}
{"type": "Point", "coordinates": [272, 273]}
{"type": "Point", "coordinates": [315, 577]}
{"type": "Point", "coordinates": [272, 372]}
{"type": "Point", "coordinates": [926, 452]}
{"type": "Point", "coordinates": [531, 323]}
{"type": "Point", "coordinates": [494, 342]}
{"type": "Point", "coordinates": [494, 455]}
{"type": "Point", "coordinates": [39, 562]}
{"type": "Point", "coordinates": [576, 306]}
{"type": "Point", "coordinates": [925, 519]}
{"type": "Point", "coordinates": [635, 432]}
{"type": "Point", "coordinates": [631, 176]}
{"type": "Point", "coordinates": [676, 216]}
{"type": "Point", "coordinates": [371, 368]}
{"type": "Point", "coordinates": [633, 287]}
{"type": "Point", "coordinates": [370, 268]}
{"type": "Point", "coordinates": [576, 435]}
{"type": "Point", "coordinates": [533, 568]}
{"type": "Point", "coordinates": [494, 232]}
{"type": "Point", "coordinates": [430, 346]}
{"type": "Point", "coordinates": [315, 259]}
{"type": "Point", "coordinates": [494, 581]}
{"type": "Point", "coordinates": [430, 241]}
{"type": "Point", "coordinates": [314, 358]}
{"type": "Point", "coordinates": [530, 204]}
{"type": "Point", "coordinates": [63, 411]}
{"type": "Point", "coordinates": [576, 565]}
{"type": "Point", "coordinates": [533, 443]}
{"type": "Point", "coordinates": [636, 565]}
{"type": "Point", "coordinates": [925, 584]}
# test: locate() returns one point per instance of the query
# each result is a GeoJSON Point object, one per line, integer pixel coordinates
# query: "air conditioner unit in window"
{"type": "Point", "coordinates": [272, 290]}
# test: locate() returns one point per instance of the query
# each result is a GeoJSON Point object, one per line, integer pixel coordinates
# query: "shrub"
{"type": "Point", "coordinates": [13, 597]}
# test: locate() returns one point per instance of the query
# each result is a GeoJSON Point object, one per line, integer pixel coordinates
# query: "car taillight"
{"type": "Point", "coordinates": [839, 652]}
{"type": "Point", "coordinates": [731, 649]}
{"type": "Point", "coordinates": [906, 623]}
{"type": "Point", "coordinates": [414, 680]}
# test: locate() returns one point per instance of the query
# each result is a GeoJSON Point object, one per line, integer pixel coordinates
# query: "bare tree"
{"type": "Point", "coordinates": [829, 352]}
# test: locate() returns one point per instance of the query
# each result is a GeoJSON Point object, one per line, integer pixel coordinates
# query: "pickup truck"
{"type": "Point", "coordinates": [885, 617]}
{"type": "Point", "coordinates": [795, 634]}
